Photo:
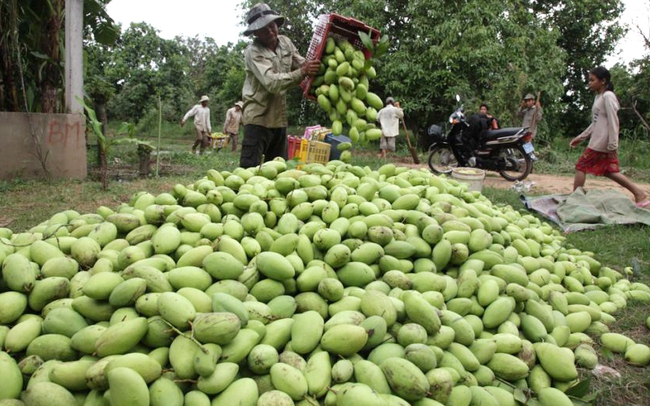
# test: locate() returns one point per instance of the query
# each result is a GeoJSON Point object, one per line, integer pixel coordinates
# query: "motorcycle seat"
{"type": "Point", "coordinates": [501, 132]}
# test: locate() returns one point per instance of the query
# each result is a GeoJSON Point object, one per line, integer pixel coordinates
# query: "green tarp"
{"type": "Point", "coordinates": [587, 210]}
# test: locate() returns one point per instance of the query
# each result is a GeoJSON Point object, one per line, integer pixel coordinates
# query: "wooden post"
{"type": "Point", "coordinates": [73, 55]}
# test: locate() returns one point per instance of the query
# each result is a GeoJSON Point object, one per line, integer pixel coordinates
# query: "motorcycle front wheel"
{"type": "Point", "coordinates": [515, 163]}
{"type": "Point", "coordinates": [442, 159]}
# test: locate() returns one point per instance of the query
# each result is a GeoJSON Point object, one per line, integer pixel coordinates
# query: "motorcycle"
{"type": "Point", "coordinates": [508, 151]}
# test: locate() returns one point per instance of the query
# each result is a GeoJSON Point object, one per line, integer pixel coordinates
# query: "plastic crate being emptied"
{"type": "Point", "coordinates": [338, 27]}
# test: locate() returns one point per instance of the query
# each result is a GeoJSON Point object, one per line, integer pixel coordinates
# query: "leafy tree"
{"type": "Point", "coordinates": [199, 54]}
{"type": "Point", "coordinates": [479, 50]}
{"type": "Point", "coordinates": [224, 78]}
{"type": "Point", "coordinates": [142, 67]}
{"type": "Point", "coordinates": [31, 39]}
{"type": "Point", "coordinates": [31, 50]}
{"type": "Point", "coordinates": [634, 95]}
{"type": "Point", "coordinates": [97, 86]}
{"type": "Point", "coordinates": [494, 51]}
{"type": "Point", "coordinates": [589, 31]}
{"type": "Point", "coordinates": [298, 14]}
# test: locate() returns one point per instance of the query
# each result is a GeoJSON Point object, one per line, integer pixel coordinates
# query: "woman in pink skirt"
{"type": "Point", "coordinates": [601, 157]}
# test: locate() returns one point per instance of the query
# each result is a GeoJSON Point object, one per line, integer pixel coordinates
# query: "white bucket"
{"type": "Point", "coordinates": [472, 176]}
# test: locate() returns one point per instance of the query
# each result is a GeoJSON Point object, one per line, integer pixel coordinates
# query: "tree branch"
{"type": "Point", "coordinates": [646, 38]}
{"type": "Point", "coordinates": [643, 122]}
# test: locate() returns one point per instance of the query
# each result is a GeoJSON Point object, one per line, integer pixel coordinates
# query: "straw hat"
{"type": "Point", "coordinates": [204, 98]}
{"type": "Point", "coordinates": [260, 16]}
{"type": "Point", "coordinates": [240, 104]}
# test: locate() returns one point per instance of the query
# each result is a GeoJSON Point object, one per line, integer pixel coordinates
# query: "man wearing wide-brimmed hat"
{"type": "Point", "coordinates": [273, 65]}
{"type": "Point", "coordinates": [530, 112]}
{"type": "Point", "coordinates": [232, 124]}
{"type": "Point", "coordinates": [201, 114]}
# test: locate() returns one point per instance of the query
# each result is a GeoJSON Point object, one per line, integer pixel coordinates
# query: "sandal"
{"type": "Point", "coordinates": [643, 204]}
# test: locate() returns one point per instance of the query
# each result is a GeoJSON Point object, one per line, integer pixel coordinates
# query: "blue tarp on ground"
{"type": "Point", "coordinates": [587, 210]}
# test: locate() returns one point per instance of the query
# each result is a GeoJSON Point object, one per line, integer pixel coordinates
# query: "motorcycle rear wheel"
{"type": "Point", "coordinates": [518, 162]}
{"type": "Point", "coordinates": [442, 159]}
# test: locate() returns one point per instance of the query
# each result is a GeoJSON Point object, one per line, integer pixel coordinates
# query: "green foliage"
{"type": "Point", "coordinates": [98, 24]}
{"type": "Point", "coordinates": [130, 77]}
{"type": "Point", "coordinates": [142, 67]}
{"type": "Point", "coordinates": [493, 51]}
{"type": "Point", "coordinates": [32, 49]}
{"type": "Point", "coordinates": [105, 144]}
{"type": "Point", "coordinates": [490, 51]}
{"type": "Point", "coordinates": [95, 124]}
{"type": "Point", "coordinates": [588, 32]}
{"type": "Point", "coordinates": [634, 96]}
{"type": "Point", "coordinates": [376, 50]}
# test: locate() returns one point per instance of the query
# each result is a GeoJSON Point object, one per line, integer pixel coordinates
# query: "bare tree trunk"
{"type": "Point", "coordinates": [643, 122]}
{"type": "Point", "coordinates": [49, 99]}
{"type": "Point", "coordinates": [100, 109]}
{"type": "Point", "coordinates": [52, 79]}
{"type": "Point", "coordinates": [103, 168]}
{"type": "Point", "coordinates": [646, 38]}
{"type": "Point", "coordinates": [144, 157]}
{"type": "Point", "coordinates": [9, 100]}
{"type": "Point", "coordinates": [8, 92]}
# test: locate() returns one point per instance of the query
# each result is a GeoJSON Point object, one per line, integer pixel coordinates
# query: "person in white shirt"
{"type": "Point", "coordinates": [232, 124]}
{"type": "Point", "coordinates": [201, 114]}
{"type": "Point", "coordinates": [388, 118]}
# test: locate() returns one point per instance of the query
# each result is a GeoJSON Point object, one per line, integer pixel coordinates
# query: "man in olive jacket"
{"type": "Point", "coordinates": [273, 65]}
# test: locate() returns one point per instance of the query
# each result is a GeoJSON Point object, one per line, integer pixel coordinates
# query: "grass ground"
{"type": "Point", "coordinates": [616, 247]}
{"type": "Point", "coordinates": [24, 204]}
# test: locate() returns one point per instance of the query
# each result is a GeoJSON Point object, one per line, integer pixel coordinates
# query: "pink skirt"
{"type": "Point", "coordinates": [598, 163]}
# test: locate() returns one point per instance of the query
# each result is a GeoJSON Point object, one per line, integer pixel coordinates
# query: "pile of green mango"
{"type": "Point", "coordinates": [329, 285]}
{"type": "Point", "coordinates": [342, 90]}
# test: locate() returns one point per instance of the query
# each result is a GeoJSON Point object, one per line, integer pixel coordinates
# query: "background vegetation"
{"type": "Point", "coordinates": [489, 50]}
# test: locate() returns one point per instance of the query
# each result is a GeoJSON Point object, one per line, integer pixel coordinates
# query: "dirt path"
{"type": "Point", "coordinates": [546, 184]}
{"type": "Point", "coordinates": [555, 184]}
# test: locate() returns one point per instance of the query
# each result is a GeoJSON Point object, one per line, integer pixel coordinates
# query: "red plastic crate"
{"type": "Point", "coordinates": [293, 147]}
{"type": "Point", "coordinates": [336, 26]}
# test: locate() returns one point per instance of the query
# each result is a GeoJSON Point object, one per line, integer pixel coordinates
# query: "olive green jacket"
{"type": "Point", "coordinates": [268, 76]}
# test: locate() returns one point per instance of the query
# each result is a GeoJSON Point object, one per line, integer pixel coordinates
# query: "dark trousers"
{"type": "Point", "coordinates": [258, 141]}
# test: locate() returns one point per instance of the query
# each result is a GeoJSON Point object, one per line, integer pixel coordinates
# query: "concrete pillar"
{"type": "Point", "coordinates": [73, 55]}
